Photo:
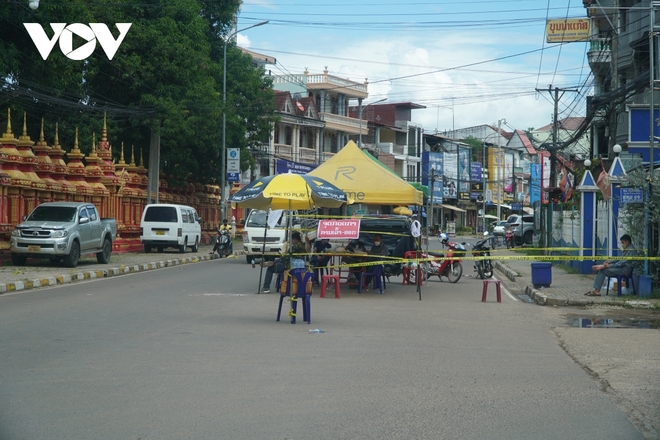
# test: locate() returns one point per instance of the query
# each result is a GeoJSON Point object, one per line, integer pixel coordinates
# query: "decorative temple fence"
{"type": "Point", "coordinates": [32, 173]}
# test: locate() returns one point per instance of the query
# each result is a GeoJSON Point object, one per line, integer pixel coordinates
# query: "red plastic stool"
{"type": "Point", "coordinates": [485, 291]}
{"type": "Point", "coordinates": [325, 280]}
{"type": "Point", "coordinates": [406, 276]}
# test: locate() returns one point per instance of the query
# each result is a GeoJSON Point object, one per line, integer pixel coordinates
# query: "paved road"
{"type": "Point", "coordinates": [191, 352]}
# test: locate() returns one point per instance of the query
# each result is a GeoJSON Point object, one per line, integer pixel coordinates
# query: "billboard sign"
{"type": "Point", "coordinates": [567, 30]}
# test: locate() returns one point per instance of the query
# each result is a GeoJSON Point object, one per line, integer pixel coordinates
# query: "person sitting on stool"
{"type": "Point", "coordinates": [318, 261]}
{"type": "Point", "coordinates": [378, 248]}
{"type": "Point", "coordinates": [283, 263]}
{"type": "Point", "coordinates": [354, 247]}
{"type": "Point", "coordinates": [615, 268]}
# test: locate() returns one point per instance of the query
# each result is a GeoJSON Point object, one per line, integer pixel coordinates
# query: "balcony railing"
{"type": "Point", "coordinates": [390, 148]}
{"type": "Point", "coordinates": [324, 81]}
{"type": "Point", "coordinates": [342, 123]}
{"type": "Point", "coordinates": [284, 151]}
{"type": "Point", "coordinates": [600, 52]}
{"type": "Point", "coordinates": [308, 155]}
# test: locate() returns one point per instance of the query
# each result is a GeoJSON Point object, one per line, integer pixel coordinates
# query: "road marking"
{"type": "Point", "coordinates": [506, 291]}
{"type": "Point", "coordinates": [218, 294]}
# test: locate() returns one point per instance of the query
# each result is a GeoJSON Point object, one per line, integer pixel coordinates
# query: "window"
{"type": "Point", "coordinates": [83, 213]}
{"type": "Point", "coordinates": [288, 136]}
{"type": "Point", "coordinates": [53, 213]}
{"type": "Point", "coordinates": [184, 215]}
{"type": "Point", "coordinates": [92, 213]}
{"type": "Point", "coordinates": [276, 134]}
{"type": "Point", "coordinates": [165, 214]}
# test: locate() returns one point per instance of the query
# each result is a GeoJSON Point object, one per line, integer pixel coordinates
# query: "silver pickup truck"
{"type": "Point", "coordinates": [63, 231]}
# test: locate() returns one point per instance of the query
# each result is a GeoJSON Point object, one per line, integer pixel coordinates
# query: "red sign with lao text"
{"type": "Point", "coordinates": [336, 229]}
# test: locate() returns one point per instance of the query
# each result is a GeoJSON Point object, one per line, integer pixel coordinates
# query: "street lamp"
{"type": "Point", "coordinates": [223, 173]}
{"type": "Point", "coordinates": [617, 149]}
{"type": "Point", "coordinates": [360, 116]}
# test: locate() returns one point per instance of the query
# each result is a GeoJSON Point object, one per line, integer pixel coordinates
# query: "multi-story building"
{"type": "Point", "coordinates": [566, 129]}
{"type": "Point", "coordinates": [330, 96]}
{"type": "Point", "coordinates": [619, 56]}
{"type": "Point", "coordinates": [392, 136]}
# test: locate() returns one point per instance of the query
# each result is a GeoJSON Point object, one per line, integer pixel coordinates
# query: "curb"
{"type": "Point", "coordinates": [105, 273]}
{"type": "Point", "coordinates": [510, 274]}
{"type": "Point", "coordinates": [543, 300]}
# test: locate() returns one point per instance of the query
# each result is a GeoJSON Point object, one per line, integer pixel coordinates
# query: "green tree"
{"type": "Point", "coordinates": [476, 148]}
{"type": "Point", "coordinates": [166, 76]}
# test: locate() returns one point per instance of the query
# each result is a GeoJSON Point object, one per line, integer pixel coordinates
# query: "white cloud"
{"type": "Point", "coordinates": [423, 69]}
{"type": "Point", "coordinates": [243, 41]}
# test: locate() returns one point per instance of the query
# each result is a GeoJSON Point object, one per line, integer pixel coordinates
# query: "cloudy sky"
{"type": "Point", "coordinates": [469, 62]}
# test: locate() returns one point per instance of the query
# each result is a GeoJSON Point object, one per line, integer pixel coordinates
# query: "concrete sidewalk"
{"type": "Point", "coordinates": [566, 289]}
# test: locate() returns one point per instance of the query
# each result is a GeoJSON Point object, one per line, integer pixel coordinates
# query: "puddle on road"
{"type": "Point", "coordinates": [616, 323]}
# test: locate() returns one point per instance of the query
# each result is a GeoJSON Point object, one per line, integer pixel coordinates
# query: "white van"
{"type": "Point", "coordinates": [253, 234]}
{"type": "Point", "coordinates": [164, 225]}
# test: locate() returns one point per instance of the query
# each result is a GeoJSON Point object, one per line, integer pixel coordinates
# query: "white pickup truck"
{"type": "Point", "coordinates": [63, 231]}
{"type": "Point", "coordinates": [255, 231]}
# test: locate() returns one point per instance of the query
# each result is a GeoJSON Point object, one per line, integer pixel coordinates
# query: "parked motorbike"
{"type": "Point", "coordinates": [481, 248]}
{"type": "Point", "coordinates": [442, 265]}
{"type": "Point", "coordinates": [223, 246]}
{"type": "Point", "coordinates": [509, 239]}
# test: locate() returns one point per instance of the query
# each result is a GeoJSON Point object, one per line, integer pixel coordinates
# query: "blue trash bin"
{"type": "Point", "coordinates": [541, 274]}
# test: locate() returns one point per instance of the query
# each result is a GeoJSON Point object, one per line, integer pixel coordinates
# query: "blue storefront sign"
{"type": "Point", "coordinates": [286, 166]}
{"type": "Point", "coordinates": [233, 177]}
{"type": "Point", "coordinates": [632, 195]}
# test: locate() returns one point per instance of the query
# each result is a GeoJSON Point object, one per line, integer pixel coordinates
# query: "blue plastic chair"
{"type": "Point", "coordinates": [378, 278]}
{"type": "Point", "coordinates": [619, 279]}
{"type": "Point", "coordinates": [302, 276]}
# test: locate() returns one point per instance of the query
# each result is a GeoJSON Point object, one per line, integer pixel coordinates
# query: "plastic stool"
{"type": "Point", "coordinates": [406, 276]}
{"type": "Point", "coordinates": [325, 279]}
{"type": "Point", "coordinates": [619, 279]}
{"type": "Point", "coordinates": [485, 291]}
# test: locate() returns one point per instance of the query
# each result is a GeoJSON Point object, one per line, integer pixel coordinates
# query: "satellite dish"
{"type": "Point", "coordinates": [300, 106]}
{"type": "Point", "coordinates": [296, 96]}
{"type": "Point", "coordinates": [481, 212]}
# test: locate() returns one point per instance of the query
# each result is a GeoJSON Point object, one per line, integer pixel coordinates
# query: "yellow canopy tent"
{"type": "Point", "coordinates": [365, 181]}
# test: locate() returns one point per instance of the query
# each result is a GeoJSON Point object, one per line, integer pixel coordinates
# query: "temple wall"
{"type": "Point", "coordinates": [32, 173]}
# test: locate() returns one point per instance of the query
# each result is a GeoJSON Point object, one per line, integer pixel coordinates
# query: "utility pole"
{"type": "Point", "coordinates": [555, 127]}
{"type": "Point", "coordinates": [514, 182]}
{"type": "Point", "coordinates": [429, 215]}
{"type": "Point", "coordinates": [500, 170]}
{"type": "Point", "coordinates": [553, 159]}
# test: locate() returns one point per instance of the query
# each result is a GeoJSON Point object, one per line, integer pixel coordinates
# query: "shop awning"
{"type": "Point", "coordinates": [528, 210]}
{"type": "Point", "coordinates": [453, 208]}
